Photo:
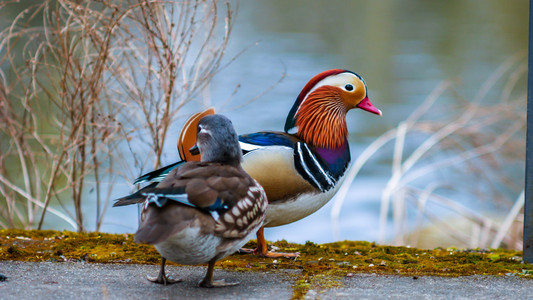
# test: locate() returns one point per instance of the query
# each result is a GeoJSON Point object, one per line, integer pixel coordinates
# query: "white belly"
{"type": "Point", "coordinates": [286, 212]}
{"type": "Point", "coordinates": [188, 247]}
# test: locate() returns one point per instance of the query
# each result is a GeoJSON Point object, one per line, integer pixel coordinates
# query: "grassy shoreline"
{"type": "Point", "coordinates": [321, 265]}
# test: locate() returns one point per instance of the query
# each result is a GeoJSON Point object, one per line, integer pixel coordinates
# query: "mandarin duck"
{"type": "Point", "coordinates": [299, 171]}
{"type": "Point", "coordinates": [203, 211]}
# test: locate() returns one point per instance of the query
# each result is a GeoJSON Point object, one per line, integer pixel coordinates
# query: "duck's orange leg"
{"type": "Point", "coordinates": [262, 249]}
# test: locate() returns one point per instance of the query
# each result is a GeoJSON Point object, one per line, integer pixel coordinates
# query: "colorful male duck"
{"type": "Point", "coordinates": [300, 171]}
{"type": "Point", "coordinates": [203, 211]}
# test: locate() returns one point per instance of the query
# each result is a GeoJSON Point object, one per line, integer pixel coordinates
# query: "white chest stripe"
{"type": "Point", "coordinates": [304, 165]}
{"type": "Point", "coordinates": [328, 177]}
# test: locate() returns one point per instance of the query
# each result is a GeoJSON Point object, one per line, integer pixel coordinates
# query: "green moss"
{"type": "Point", "coordinates": [322, 265]}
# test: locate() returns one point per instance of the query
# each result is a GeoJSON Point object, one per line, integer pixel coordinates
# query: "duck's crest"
{"type": "Point", "coordinates": [291, 119]}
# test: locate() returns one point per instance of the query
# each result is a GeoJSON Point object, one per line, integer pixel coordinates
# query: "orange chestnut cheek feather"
{"type": "Point", "coordinates": [321, 119]}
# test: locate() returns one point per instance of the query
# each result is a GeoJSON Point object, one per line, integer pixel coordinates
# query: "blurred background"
{"type": "Point", "coordinates": [444, 166]}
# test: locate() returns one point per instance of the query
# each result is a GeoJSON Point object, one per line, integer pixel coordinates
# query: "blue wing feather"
{"type": "Point", "coordinates": [268, 138]}
{"type": "Point", "coordinates": [161, 199]}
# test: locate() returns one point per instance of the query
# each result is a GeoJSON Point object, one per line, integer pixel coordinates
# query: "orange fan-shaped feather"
{"type": "Point", "coordinates": [187, 137]}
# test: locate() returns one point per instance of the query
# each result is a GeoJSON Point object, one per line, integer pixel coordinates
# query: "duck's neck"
{"type": "Point", "coordinates": [332, 156]}
{"type": "Point", "coordinates": [321, 120]}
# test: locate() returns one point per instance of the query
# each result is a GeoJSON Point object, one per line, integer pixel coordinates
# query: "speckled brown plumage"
{"type": "Point", "coordinates": [203, 211]}
{"type": "Point", "coordinates": [204, 183]}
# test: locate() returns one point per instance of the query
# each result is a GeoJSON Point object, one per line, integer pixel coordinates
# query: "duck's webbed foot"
{"type": "Point", "coordinates": [162, 278]}
{"type": "Point", "coordinates": [216, 283]}
{"type": "Point", "coordinates": [208, 282]}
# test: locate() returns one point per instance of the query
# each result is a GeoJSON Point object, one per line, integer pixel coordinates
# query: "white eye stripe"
{"type": "Point", "coordinates": [338, 80]}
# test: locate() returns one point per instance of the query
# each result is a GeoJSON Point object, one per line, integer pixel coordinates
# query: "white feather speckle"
{"type": "Point", "coordinates": [248, 202]}
{"type": "Point", "coordinates": [236, 211]}
{"type": "Point", "coordinates": [228, 218]}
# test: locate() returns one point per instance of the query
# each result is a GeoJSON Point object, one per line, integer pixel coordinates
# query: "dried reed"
{"type": "Point", "coordinates": [450, 157]}
{"type": "Point", "coordinates": [79, 81]}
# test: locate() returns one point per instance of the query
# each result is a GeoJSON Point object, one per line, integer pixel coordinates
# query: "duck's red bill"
{"type": "Point", "coordinates": [366, 105]}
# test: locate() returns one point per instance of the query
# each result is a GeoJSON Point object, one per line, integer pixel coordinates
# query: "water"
{"type": "Point", "coordinates": [403, 49]}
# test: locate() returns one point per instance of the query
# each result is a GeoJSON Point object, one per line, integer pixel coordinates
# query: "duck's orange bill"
{"type": "Point", "coordinates": [366, 105]}
{"type": "Point", "coordinates": [188, 133]}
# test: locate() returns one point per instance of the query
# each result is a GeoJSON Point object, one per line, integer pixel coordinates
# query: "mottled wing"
{"type": "Point", "coordinates": [246, 215]}
{"type": "Point", "coordinates": [205, 183]}
{"type": "Point", "coordinates": [208, 189]}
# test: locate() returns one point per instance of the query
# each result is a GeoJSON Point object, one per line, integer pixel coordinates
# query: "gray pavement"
{"type": "Point", "coordinates": [371, 286]}
{"type": "Point", "coordinates": [49, 280]}
{"type": "Point", "coordinates": [111, 281]}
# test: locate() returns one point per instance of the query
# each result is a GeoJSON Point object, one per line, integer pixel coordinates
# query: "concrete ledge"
{"type": "Point", "coordinates": [47, 280]}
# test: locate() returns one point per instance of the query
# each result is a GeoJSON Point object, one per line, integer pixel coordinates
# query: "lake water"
{"type": "Point", "coordinates": [403, 49]}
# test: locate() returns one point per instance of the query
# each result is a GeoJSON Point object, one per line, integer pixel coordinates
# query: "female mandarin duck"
{"type": "Point", "coordinates": [300, 172]}
{"type": "Point", "coordinates": [203, 211]}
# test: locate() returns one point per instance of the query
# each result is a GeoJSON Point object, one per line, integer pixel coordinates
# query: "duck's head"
{"type": "Point", "coordinates": [320, 110]}
{"type": "Point", "coordinates": [217, 141]}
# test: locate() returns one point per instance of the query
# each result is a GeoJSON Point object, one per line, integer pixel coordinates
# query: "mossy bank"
{"type": "Point", "coordinates": [321, 265]}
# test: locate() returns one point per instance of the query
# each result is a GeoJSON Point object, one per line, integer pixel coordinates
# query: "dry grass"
{"type": "Point", "coordinates": [455, 162]}
{"type": "Point", "coordinates": [78, 82]}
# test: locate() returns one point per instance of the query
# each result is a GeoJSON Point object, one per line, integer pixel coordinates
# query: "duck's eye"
{"type": "Point", "coordinates": [349, 87]}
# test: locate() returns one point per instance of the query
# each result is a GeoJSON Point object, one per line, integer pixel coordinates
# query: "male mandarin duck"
{"type": "Point", "coordinates": [203, 211]}
{"type": "Point", "coordinates": [300, 171]}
